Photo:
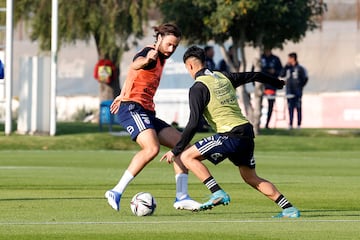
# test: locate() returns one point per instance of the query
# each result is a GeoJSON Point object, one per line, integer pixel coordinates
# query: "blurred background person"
{"type": "Point", "coordinates": [223, 66]}
{"type": "Point", "coordinates": [209, 57]}
{"type": "Point", "coordinates": [270, 64]}
{"type": "Point", "coordinates": [296, 78]}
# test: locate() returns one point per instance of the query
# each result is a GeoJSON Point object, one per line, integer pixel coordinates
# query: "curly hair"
{"type": "Point", "coordinates": [167, 29]}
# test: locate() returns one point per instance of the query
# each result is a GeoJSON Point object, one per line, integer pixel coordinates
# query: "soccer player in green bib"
{"type": "Point", "coordinates": [213, 95]}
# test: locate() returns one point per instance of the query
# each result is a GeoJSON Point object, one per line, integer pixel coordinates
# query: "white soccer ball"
{"type": "Point", "coordinates": [143, 204]}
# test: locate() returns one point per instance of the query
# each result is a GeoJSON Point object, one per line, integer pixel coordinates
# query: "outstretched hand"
{"type": "Point", "coordinates": [153, 54]}
{"type": "Point", "coordinates": [114, 107]}
{"type": "Point", "coordinates": [169, 156]}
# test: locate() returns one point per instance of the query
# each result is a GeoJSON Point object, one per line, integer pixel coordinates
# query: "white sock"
{"type": "Point", "coordinates": [181, 186]}
{"type": "Point", "coordinates": [124, 181]}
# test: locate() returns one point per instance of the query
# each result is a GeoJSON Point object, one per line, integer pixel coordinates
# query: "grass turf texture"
{"type": "Point", "coordinates": [58, 194]}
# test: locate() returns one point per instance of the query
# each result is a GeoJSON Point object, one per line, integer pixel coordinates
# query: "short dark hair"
{"type": "Point", "coordinates": [293, 55]}
{"type": "Point", "coordinates": [196, 52]}
{"type": "Point", "coordinates": [207, 48]}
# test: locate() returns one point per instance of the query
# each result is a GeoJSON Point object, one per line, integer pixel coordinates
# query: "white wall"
{"type": "Point", "coordinates": [332, 57]}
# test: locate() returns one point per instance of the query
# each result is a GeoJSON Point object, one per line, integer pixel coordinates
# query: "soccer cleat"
{"type": "Point", "coordinates": [217, 198]}
{"type": "Point", "coordinates": [113, 199]}
{"type": "Point", "coordinates": [187, 204]}
{"type": "Point", "coordinates": [290, 212]}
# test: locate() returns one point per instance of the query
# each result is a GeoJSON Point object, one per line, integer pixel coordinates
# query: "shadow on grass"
{"type": "Point", "coordinates": [315, 213]}
{"type": "Point", "coordinates": [77, 127]}
{"type": "Point", "coordinates": [65, 128]}
{"type": "Point", "coordinates": [68, 128]}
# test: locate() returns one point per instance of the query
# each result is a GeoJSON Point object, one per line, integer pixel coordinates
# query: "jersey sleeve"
{"type": "Point", "coordinates": [143, 53]}
{"type": "Point", "coordinates": [199, 97]}
{"type": "Point", "coordinates": [238, 79]}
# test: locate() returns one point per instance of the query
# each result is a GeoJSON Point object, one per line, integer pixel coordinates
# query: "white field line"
{"type": "Point", "coordinates": [176, 222]}
{"type": "Point", "coordinates": [61, 150]}
{"type": "Point", "coordinates": [23, 167]}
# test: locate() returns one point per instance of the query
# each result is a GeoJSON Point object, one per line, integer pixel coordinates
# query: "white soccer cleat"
{"type": "Point", "coordinates": [187, 204]}
{"type": "Point", "coordinates": [113, 199]}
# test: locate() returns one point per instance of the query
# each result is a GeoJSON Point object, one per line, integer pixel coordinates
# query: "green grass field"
{"type": "Point", "coordinates": [58, 193]}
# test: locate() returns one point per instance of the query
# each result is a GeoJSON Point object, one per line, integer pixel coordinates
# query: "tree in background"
{"type": "Point", "coordinates": [112, 24]}
{"type": "Point", "coordinates": [245, 23]}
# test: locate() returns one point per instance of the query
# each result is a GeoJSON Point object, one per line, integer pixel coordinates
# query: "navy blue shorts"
{"type": "Point", "coordinates": [135, 119]}
{"type": "Point", "coordinates": [239, 150]}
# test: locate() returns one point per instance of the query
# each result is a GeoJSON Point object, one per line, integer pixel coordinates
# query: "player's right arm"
{"type": "Point", "coordinates": [145, 57]}
{"type": "Point", "coordinates": [143, 61]}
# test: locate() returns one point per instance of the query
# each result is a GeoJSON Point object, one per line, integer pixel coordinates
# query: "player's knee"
{"type": "Point", "coordinates": [185, 160]}
{"type": "Point", "coordinates": [152, 151]}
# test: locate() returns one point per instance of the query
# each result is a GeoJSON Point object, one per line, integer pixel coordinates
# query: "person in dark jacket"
{"type": "Point", "coordinates": [270, 64]}
{"type": "Point", "coordinates": [209, 57]}
{"type": "Point", "coordinates": [296, 78]}
{"type": "Point", "coordinates": [223, 66]}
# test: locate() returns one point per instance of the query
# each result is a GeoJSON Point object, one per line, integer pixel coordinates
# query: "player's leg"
{"type": "Point", "coordinates": [139, 123]}
{"type": "Point", "coordinates": [211, 149]}
{"type": "Point", "coordinates": [262, 185]}
{"type": "Point", "coordinates": [299, 111]}
{"type": "Point", "coordinates": [191, 158]}
{"type": "Point", "coordinates": [269, 190]}
{"type": "Point", "coordinates": [149, 144]}
{"type": "Point", "coordinates": [291, 106]}
{"type": "Point", "coordinates": [270, 109]}
{"type": "Point", "coordinates": [169, 137]}
{"type": "Point", "coordinates": [243, 157]}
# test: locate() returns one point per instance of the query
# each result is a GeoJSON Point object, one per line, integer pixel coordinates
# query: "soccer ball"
{"type": "Point", "coordinates": [143, 204]}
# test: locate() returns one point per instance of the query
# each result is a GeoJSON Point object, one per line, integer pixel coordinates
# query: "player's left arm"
{"type": "Point", "coordinates": [238, 79]}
